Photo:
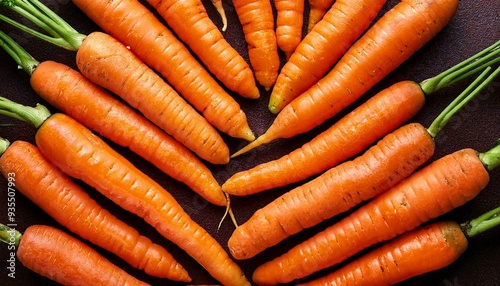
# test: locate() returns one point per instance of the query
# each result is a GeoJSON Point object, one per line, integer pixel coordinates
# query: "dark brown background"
{"type": "Point", "coordinates": [474, 27]}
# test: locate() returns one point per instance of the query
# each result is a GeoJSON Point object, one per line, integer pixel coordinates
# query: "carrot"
{"type": "Point", "coordinates": [317, 9]}
{"type": "Point", "coordinates": [220, 9]}
{"type": "Point", "coordinates": [321, 48]}
{"type": "Point", "coordinates": [426, 249]}
{"type": "Point", "coordinates": [289, 21]}
{"type": "Point", "coordinates": [339, 189]}
{"type": "Point", "coordinates": [171, 59]}
{"type": "Point", "coordinates": [257, 19]}
{"type": "Point", "coordinates": [71, 261]}
{"type": "Point", "coordinates": [378, 116]}
{"type": "Point", "coordinates": [69, 91]}
{"type": "Point", "coordinates": [191, 23]}
{"type": "Point", "coordinates": [61, 198]}
{"type": "Point", "coordinates": [388, 43]}
{"type": "Point", "coordinates": [82, 155]}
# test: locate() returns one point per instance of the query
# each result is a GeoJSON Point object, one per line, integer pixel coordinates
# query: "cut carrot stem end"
{"type": "Point", "coordinates": [20, 56]}
{"type": "Point", "coordinates": [9, 235]}
{"type": "Point", "coordinates": [481, 224]}
{"type": "Point", "coordinates": [491, 158]}
{"type": "Point", "coordinates": [33, 115]}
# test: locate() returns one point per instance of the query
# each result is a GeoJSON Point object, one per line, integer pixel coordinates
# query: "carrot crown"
{"type": "Point", "coordinates": [491, 158]}
{"type": "Point", "coordinates": [34, 115]}
{"type": "Point", "coordinates": [59, 32]}
{"type": "Point", "coordinates": [9, 235]}
{"type": "Point", "coordinates": [482, 223]}
{"type": "Point", "coordinates": [20, 55]}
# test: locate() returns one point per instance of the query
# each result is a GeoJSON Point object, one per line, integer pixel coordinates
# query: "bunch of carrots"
{"type": "Point", "coordinates": [147, 131]}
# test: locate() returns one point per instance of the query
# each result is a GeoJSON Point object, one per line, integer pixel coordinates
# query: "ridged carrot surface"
{"type": "Point", "coordinates": [318, 8]}
{"type": "Point", "coordinates": [190, 21]}
{"type": "Point", "coordinates": [289, 22]}
{"type": "Point", "coordinates": [440, 187]}
{"type": "Point", "coordinates": [138, 28]}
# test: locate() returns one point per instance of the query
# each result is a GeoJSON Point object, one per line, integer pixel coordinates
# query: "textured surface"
{"type": "Point", "coordinates": [474, 27]}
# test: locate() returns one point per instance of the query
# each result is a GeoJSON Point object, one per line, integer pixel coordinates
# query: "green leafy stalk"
{"type": "Point", "coordinates": [4, 144]}
{"type": "Point", "coordinates": [59, 32]}
{"type": "Point", "coordinates": [481, 224]}
{"type": "Point", "coordinates": [463, 98]}
{"type": "Point", "coordinates": [9, 235]}
{"type": "Point", "coordinates": [33, 115]}
{"type": "Point", "coordinates": [20, 55]}
{"type": "Point", "coordinates": [491, 158]}
{"type": "Point", "coordinates": [487, 57]}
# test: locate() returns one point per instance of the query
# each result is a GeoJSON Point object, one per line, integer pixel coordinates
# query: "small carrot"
{"type": "Point", "coordinates": [321, 48]}
{"type": "Point", "coordinates": [69, 91]}
{"type": "Point", "coordinates": [222, 12]}
{"type": "Point", "coordinates": [191, 23]}
{"type": "Point", "coordinates": [56, 194]}
{"type": "Point", "coordinates": [378, 116]}
{"type": "Point", "coordinates": [388, 43]}
{"type": "Point", "coordinates": [339, 189]}
{"type": "Point", "coordinates": [426, 249]}
{"type": "Point", "coordinates": [257, 19]}
{"type": "Point", "coordinates": [62, 258]}
{"type": "Point", "coordinates": [78, 152]}
{"type": "Point", "coordinates": [146, 39]}
{"type": "Point", "coordinates": [317, 9]}
{"type": "Point", "coordinates": [289, 22]}
{"type": "Point", "coordinates": [440, 187]}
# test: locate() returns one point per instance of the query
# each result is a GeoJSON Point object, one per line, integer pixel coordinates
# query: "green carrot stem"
{"type": "Point", "coordinates": [491, 158]}
{"type": "Point", "coordinates": [4, 144]}
{"type": "Point", "coordinates": [481, 224]}
{"type": "Point", "coordinates": [34, 115]}
{"type": "Point", "coordinates": [9, 235]}
{"type": "Point", "coordinates": [463, 98]}
{"type": "Point", "coordinates": [20, 55]}
{"type": "Point", "coordinates": [487, 57]}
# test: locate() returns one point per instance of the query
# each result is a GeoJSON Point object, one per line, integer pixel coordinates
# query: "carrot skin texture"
{"type": "Point", "coordinates": [61, 198]}
{"type": "Point", "coordinates": [257, 19]}
{"type": "Point", "coordinates": [440, 187]}
{"type": "Point", "coordinates": [375, 118]}
{"type": "Point", "coordinates": [82, 155]}
{"type": "Point", "coordinates": [108, 63]}
{"type": "Point", "coordinates": [414, 253]}
{"type": "Point", "coordinates": [321, 48]}
{"type": "Point", "coordinates": [337, 190]}
{"type": "Point", "coordinates": [156, 46]}
{"type": "Point", "coordinates": [69, 91]}
{"type": "Point", "coordinates": [289, 21]}
{"type": "Point", "coordinates": [60, 257]}
{"type": "Point", "coordinates": [389, 42]}
{"type": "Point", "coordinates": [190, 21]}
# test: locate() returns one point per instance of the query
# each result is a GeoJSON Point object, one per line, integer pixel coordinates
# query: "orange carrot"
{"type": "Point", "coordinates": [69, 91]}
{"type": "Point", "coordinates": [317, 9]}
{"type": "Point", "coordinates": [378, 116]}
{"type": "Point", "coordinates": [426, 249]}
{"type": "Point", "coordinates": [339, 189]}
{"type": "Point", "coordinates": [257, 19]}
{"type": "Point", "coordinates": [289, 22]}
{"type": "Point", "coordinates": [321, 48]}
{"type": "Point", "coordinates": [388, 43]}
{"type": "Point", "coordinates": [438, 188]}
{"type": "Point", "coordinates": [191, 23]}
{"type": "Point", "coordinates": [71, 261]}
{"type": "Point", "coordinates": [79, 153]}
{"type": "Point", "coordinates": [61, 198]}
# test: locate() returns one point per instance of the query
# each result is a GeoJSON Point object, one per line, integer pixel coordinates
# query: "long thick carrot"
{"type": "Point", "coordinates": [388, 43]}
{"type": "Point", "coordinates": [289, 22]}
{"type": "Point", "coordinates": [65, 201]}
{"type": "Point", "coordinates": [62, 258]}
{"type": "Point", "coordinates": [257, 19]}
{"type": "Point", "coordinates": [321, 48]}
{"type": "Point", "coordinates": [378, 116]}
{"type": "Point", "coordinates": [317, 10]}
{"type": "Point", "coordinates": [339, 189]}
{"type": "Point", "coordinates": [191, 23]}
{"type": "Point", "coordinates": [81, 154]}
{"type": "Point", "coordinates": [426, 249]}
{"type": "Point", "coordinates": [149, 41]}
{"type": "Point", "coordinates": [69, 91]}
{"type": "Point", "coordinates": [438, 188]}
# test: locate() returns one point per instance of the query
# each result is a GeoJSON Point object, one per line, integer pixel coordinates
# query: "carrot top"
{"type": "Point", "coordinates": [482, 223]}
{"type": "Point", "coordinates": [9, 235]}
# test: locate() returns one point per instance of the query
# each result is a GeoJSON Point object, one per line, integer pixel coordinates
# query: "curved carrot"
{"type": "Point", "coordinates": [378, 116]}
{"type": "Point", "coordinates": [69, 91]}
{"type": "Point", "coordinates": [339, 189]}
{"type": "Point", "coordinates": [61, 198]}
{"type": "Point", "coordinates": [81, 154]}
{"type": "Point", "coordinates": [191, 23]}
{"type": "Point", "coordinates": [317, 10]}
{"type": "Point", "coordinates": [321, 48]}
{"type": "Point", "coordinates": [443, 185]}
{"type": "Point", "coordinates": [387, 44]}
{"type": "Point", "coordinates": [71, 261]}
{"type": "Point", "coordinates": [257, 19]}
{"type": "Point", "coordinates": [289, 22]}
{"type": "Point", "coordinates": [426, 249]}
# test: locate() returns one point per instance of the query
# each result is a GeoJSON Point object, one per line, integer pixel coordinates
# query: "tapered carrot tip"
{"type": "Point", "coordinates": [276, 103]}
{"type": "Point", "coordinates": [315, 15]}
{"type": "Point", "coordinates": [263, 139]}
